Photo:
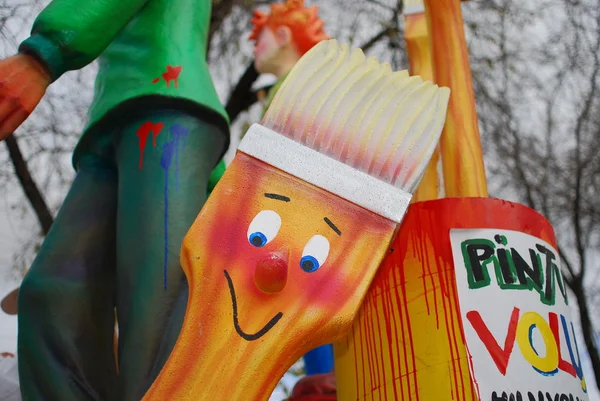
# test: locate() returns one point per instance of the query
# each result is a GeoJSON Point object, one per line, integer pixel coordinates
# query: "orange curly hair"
{"type": "Point", "coordinates": [306, 26]}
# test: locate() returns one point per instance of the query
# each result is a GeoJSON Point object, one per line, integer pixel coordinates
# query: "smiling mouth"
{"type": "Point", "coordinates": [236, 324]}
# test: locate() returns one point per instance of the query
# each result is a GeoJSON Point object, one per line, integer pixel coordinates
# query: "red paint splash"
{"type": "Point", "coordinates": [143, 132]}
{"type": "Point", "coordinates": [172, 74]}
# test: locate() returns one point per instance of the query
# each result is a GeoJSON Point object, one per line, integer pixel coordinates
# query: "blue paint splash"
{"type": "Point", "coordinates": [178, 134]}
{"type": "Point", "coordinates": [165, 162]}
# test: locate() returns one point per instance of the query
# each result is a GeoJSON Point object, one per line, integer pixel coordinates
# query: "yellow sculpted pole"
{"type": "Point", "coordinates": [419, 58]}
{"type": "Point", "coordinates": [462, 158]}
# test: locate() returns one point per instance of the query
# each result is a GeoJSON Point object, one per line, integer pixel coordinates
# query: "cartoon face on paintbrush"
{"type": "Point", "coordinates": [281, 255]}
{"type": "Point", "coordinates": [275, 267]}
{"type": "Point", "coordinates": [283, 251]}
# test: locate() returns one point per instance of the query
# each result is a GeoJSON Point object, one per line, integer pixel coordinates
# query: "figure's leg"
{"type": "Point", "coordinates": [160, 194]}
{"type": "Point", "coordinates": [66, 300]}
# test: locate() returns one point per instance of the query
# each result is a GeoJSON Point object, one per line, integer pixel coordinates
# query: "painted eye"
{"type": "Point", "coordinates": [314, 254]}
{"type": "Point", "coordinates": [263, 228]}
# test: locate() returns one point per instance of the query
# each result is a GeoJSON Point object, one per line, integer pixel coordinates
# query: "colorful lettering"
{"type": "Point", "coordinates": [513, 271]}
{"type": "Point", "coordinates": [498, 354]}
{"type": "Point", "coordinates": [520, 329]}
{"type": "Point", "coordinates": [548, 364]}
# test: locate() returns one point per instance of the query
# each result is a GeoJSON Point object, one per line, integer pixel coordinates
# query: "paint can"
{"type": "Point", "coordinates": [460, 267]}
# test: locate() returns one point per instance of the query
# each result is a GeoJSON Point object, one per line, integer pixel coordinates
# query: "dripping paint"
{"type": "Point", "coordinates": [143, 132]}
{"type": "Point", "coordinates": [172, 74]}
{"type": "Point", "coordinates": [170, 151]}
{"type": "Point", "coordinates": [178, 134]}
{"type": "Point", "coordinates": [409, 332]}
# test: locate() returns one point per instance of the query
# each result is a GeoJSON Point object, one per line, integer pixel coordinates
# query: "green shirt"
{"type": "Point", "coordinates": [134, 41]}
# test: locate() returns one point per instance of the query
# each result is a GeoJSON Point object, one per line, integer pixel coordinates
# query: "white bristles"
{"type": "Point", "coordinates": [357, 111]}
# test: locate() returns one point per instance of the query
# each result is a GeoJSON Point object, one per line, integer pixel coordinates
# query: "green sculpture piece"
{"type": "Point", "coordinates": [156, 130]}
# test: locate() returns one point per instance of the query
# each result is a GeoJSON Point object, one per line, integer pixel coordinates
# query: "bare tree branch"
{"type": "Point", "coordinates": [28, 184]}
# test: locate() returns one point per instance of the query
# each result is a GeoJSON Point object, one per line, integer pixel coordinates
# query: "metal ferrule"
{"type": "Point", "coordinates": [324, 172]}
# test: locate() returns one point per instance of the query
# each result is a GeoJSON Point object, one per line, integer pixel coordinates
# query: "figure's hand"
{"type": "Point", "coordinates": [315, 388]}
{"type": "Point", "coordinates": [23, 82]}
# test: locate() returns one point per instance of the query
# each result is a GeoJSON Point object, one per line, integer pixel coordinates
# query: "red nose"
{"type": "Point", "coordinates": [271, 272]}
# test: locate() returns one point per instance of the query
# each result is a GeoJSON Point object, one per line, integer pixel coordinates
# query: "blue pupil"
{"type": "Point", "coordinates": [309, 263]}
{"type": "Point", "coordinates": [257, 239]}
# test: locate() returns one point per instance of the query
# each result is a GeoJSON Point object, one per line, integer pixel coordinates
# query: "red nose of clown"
{"type": "Point", "coordinates": [282, 253]}
{"type": "Point", "coordinates": [270, 274]}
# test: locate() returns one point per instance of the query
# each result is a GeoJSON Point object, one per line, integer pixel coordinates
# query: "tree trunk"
{"type": "Point", "coordinates": [28, 184]}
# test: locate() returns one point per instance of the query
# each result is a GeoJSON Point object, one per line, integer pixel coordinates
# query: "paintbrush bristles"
{"type": "Point", "coordinates": [358, 111]}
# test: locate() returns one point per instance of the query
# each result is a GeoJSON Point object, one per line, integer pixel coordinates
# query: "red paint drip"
{"type": "Point", "coordinates": [391, 300]}
{"type": "Point", "coordinates": [389, 317]}
{"type": "Point", "coordinates": [455, 337]}
{"type": "Point", "coordinates": [474, 393]}
{"type": "Point", "coordinates": [362, 353]}
{"type": "Point", "coordinates": [374, 354]}
{"type": "Point", "coordinates": [403, 330]}
{"type": "Point", "coordinates": [380, 353]}
{"type": "Point", "coordinates": [450, 333]}
{"type": "Point", "coordinates": [419, 250]}
{"type": "Point", "coordinates": [355, 359]}
{"type": "Point", "coordinates": [143, 132]}
{"type": "Point", "coordinates": [433, 287]}
{"type": "Point", "coordinates": [369, 347]}
{"type": "Point", "coordinates": [447, 284]}
{"type": "Point", "coordinates": [410, 336]}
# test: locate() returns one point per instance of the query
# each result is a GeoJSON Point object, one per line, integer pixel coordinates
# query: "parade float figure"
{"type": "Point", "coordinates": [282, 37]}
{"type": "Point", "coordinates": [156, 129]}
{"type": "Point", "coordinates": [283, 251]}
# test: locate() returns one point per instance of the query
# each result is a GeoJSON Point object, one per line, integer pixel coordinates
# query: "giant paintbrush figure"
{"type": "Point", "coordinates": [156, 129]}
{"type": "Point", "coordinates": [282, 253]}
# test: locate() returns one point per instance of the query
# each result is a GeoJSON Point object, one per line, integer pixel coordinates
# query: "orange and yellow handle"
{"type": "Point", "coordinates": [462, 157]}
{"type": "Point", "coordinates": [419, 59]}
{"type": "Point", "coordinates": [276, 267]}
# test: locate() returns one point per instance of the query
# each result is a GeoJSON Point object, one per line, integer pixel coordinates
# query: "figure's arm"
{"type": "Point", "coordinates": [67, 35]}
